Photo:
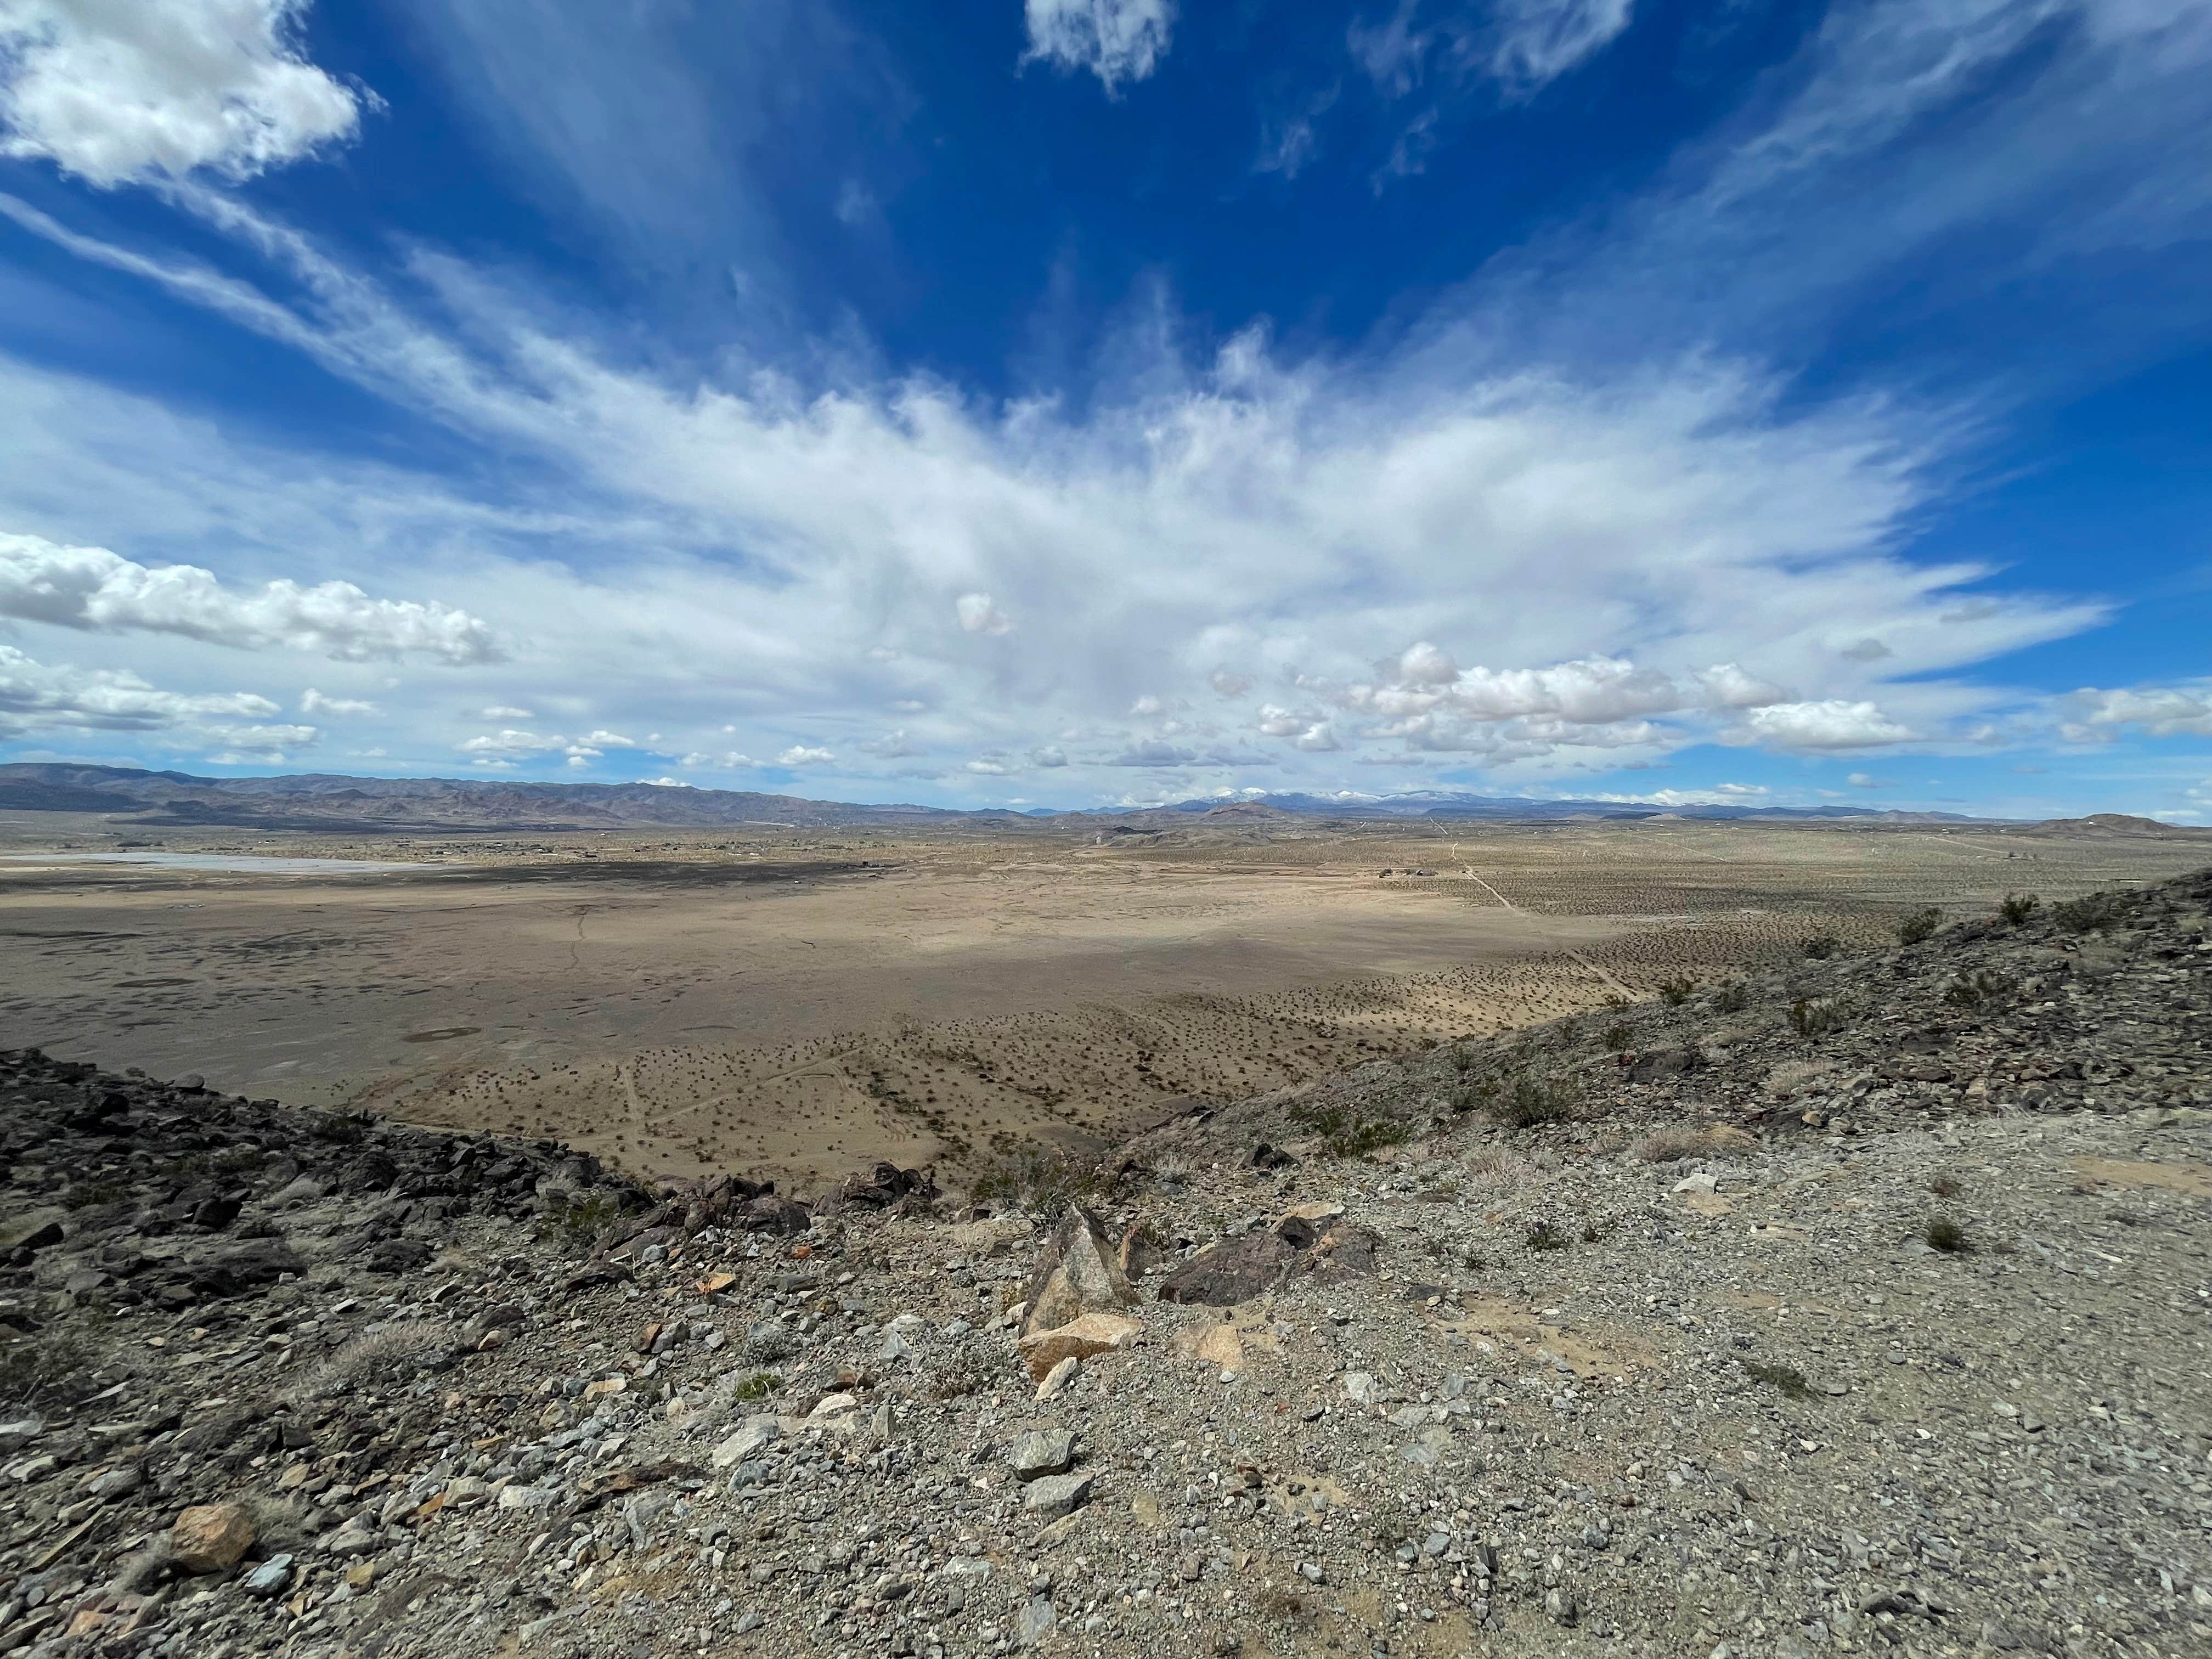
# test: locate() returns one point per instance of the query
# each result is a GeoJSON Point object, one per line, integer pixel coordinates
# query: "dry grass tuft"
{"type": "Point", "coordinates": [1718, 1141]}
{"type": "Point", "coordinates": [380, 1357]}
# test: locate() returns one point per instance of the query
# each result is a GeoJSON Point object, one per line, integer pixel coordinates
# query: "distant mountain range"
{"type": "Point", "coordinates": [332, 803]}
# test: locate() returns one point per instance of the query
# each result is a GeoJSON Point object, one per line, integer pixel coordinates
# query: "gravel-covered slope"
{"type": "Point", "coordinates": [1853, 1312]}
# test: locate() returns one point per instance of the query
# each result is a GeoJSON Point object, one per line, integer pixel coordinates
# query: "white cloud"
{"type": "Point", "coordinates": [669, 783]}
{"type": "Point", "coordinates": [1831, 724]}
{"type": "Point", "coordinates": [1535, 41]}
{"type": "Point", "coordinates": [1048, 756]}
{"type": "Point", "coordinates": [1117, 41]}
{"type": "Point", "coordinates": [512, 743]}
{"type": "Point", "coordinates": [978, 615]}
{"type": "Point", "coordinates": [1319, 738]}
{"type": "Point", "coordinates": [92, 589]}
{"type": "Point", "coordinates": [264, 742]}
{"type": "Point", "coordinates": [122, 90]}
{"type": "Point", "coordinates": [499, 711]}
{"type": "Point", "coordinates": [39, 696]}
{"type": "Point", "coordinates": [2098, 716]}
{"type": "Point", "coordinates": [312, 701]}
{"type": "Point", "coordinates": [800, 755]}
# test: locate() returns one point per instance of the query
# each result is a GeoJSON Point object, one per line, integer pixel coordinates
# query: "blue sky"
{"type": "Point", "coordinates": [1065, 402]}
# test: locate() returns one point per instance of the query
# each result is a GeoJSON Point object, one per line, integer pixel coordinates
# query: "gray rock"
{"type": "Point", "coordinates": [1054, 1495]}
{"type": "Point", "coordinates": [272, 1577]}
{"type": "Point", "coordinates": [1036, 1621]}
{"type": "Point", "coordinates": [1042, 1452]}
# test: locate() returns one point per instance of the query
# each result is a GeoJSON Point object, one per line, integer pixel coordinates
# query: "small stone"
{"type": "Point", "coordinates": [1036, 1621]}
{"type": "Point", "coordinates": [210, 1537]}
{"type": "Point", "coordinates": [752, 1435]}
{"type": "Point", "coordinates": [1559, 1607]}
{"type": "Point", "coordinates": [1057, 1379]}
{"type": "Point", "coordinates": [1042, 1452]}
{"type": "Point", "coordinates": [272, 1577]}
{"type": "Point", "coordinates": [1054, 1495]}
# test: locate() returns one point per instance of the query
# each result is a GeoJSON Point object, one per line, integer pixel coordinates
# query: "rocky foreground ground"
{"type": "Point", "coordinates": [1857, 1305]}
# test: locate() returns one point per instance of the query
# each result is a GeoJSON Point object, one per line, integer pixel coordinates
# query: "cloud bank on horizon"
{"type": "Point", "coordinates": [1098, 400]}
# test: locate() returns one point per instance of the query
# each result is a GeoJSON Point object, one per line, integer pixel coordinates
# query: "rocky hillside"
{"type": "Point", "coordinates": [1857, 1307]}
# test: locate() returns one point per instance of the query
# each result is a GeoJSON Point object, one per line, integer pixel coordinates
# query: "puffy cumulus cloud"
{"type": "Point", "coordinates": [1833, 723]}
{"type": "Point", "coordinates": [501, 711]}
{"type": "Point", "coordinates": [978, 615]}
{"type": "Point", "coordinates": [241, 745]}
{"type": "Point", "coordinates": [1117, 41]}
{"type": "Point", "coordinates": [1319, 738]}
{"type": "Point", "coordinates": [92, 589]}
{"type": "Point", "coordinates": [1048, 756]}
{"type": "Point", "coordinates": [41, 696]}
{"type": "Point", "coordinates": [800, 755]}
{"type": "Point", "coordinates": [1229, 684]}
{"type": "Point", "coordinates": [121, 91]}
{"type": "Point", "coordinates": [312, 701]}
{"type": "Point", "coordinates": [502, 749]}
{"type": "Point", "coordinates": [669, 783]}
{"type": "Point", "coordinates": [2090, 716]}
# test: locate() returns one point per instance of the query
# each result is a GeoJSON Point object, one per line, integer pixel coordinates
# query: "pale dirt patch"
{"type": "Point", "coordinates": [2193, 1179]}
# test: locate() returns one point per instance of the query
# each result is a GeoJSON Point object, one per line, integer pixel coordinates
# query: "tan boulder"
{"type": "Point", "coordinates": [210, 1537]}
{"type": "Point", "coordinates": [1077, 1274]}
{"type": "Point", "coordinates": [1080, 1339]}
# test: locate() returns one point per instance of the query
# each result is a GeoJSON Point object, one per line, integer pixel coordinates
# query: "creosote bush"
{"type": "Point", "coordinates": [2016, 907]}
{"type": "Point", "coordinates": [2089, 913]}
{"type": "Point", "coordinates": [1732, 998]}
{"type": "Point", "coordinates": [1041, 1179]}
{"type": "Point", "coordinates": [1787, 1379]}
{"type": "Point", "coordinates": [1812, 1018]}
{"type": "Point", "coordinates": [1946, 1234]}
{"type": "Point", "coordinates": [580, 1221]}
{"type": "Point", "coordinates": [1821, 946]}
{"type": "Point", "coordinates": [1972, 990]}
{"type": "Point", "coordinates": [1526, 1103]}
{"type": "Point", "coordinates": [1543, 1236]}
{"type": "Point", "coordinates": [1917, 927]}
{"type": "Point", "coordinates": [1676, 991]}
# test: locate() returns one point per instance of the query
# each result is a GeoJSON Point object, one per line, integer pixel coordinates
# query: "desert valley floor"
{"type": "Point", "coordinates": [802, 1002]}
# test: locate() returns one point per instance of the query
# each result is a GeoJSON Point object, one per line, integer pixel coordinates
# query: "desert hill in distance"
{"type": "Point", "coordinates": [335, 803]}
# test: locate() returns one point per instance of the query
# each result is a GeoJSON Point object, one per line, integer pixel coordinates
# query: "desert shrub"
{"type": "Point", "coordinates": [54, 1367]}
{"type": "Point", "coordinates": [1946, 1234]}
{"type": "Point", "coordinates": [1527, 1102]}
{"type": "Point", "coordinates": [1495, 1163]}
{"type": "Point", "coordinates": [89, 1194]}
{"type": "Point", "coordinates": [380, 1357]}
{"type": "Point", "coordinates": [768, 1341]}
{"type": "Point", "coordinates": [1041, 1179]}
{"type": "Point", "coordinates": [1821, 946]}
{"type": "Point", "coordinates": [580, 1221]}
{"type": "Point", "coordinates": [1593, 1233]}
{"type": "Point", "coordinates": [1543, 1236]}
{"type": "Point", "coordinates": [1731, 998]}
{"type": "Point", "coordinates": [1618, 1037]}
{"type": "Point", "coordinates": [2089, 913]}
{"type": "Point", "coordinates": [1972, 990]}
{"type": "Point", "coordinates": [958, 1377]}
{"type": "Point", "coordinates": [1346, 1133]}
{"type": "Point", "coordinates": [2016, 907]}
{"type": "Point", "coordinates": [1812, 1018]}
{"type": "Point", "coordinates": [1462, 1060]}
{"type": "Point", "coordinates": [1787, 1379]}
{"type": "Point", "coordinates": [1676, 991]}
{"type": "Point", "coordinates": [758, 1386]}
{"type": "Point", "coordinates": [340, 1129]}
{"type": "Point", "coordinates": [1916, 927]}
{"type": "Point", "coordinates": [1718, 1140]}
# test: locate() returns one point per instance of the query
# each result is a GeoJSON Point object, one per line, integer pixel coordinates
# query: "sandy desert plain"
{"type": "Point", "coordinates": [805, 1002]}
